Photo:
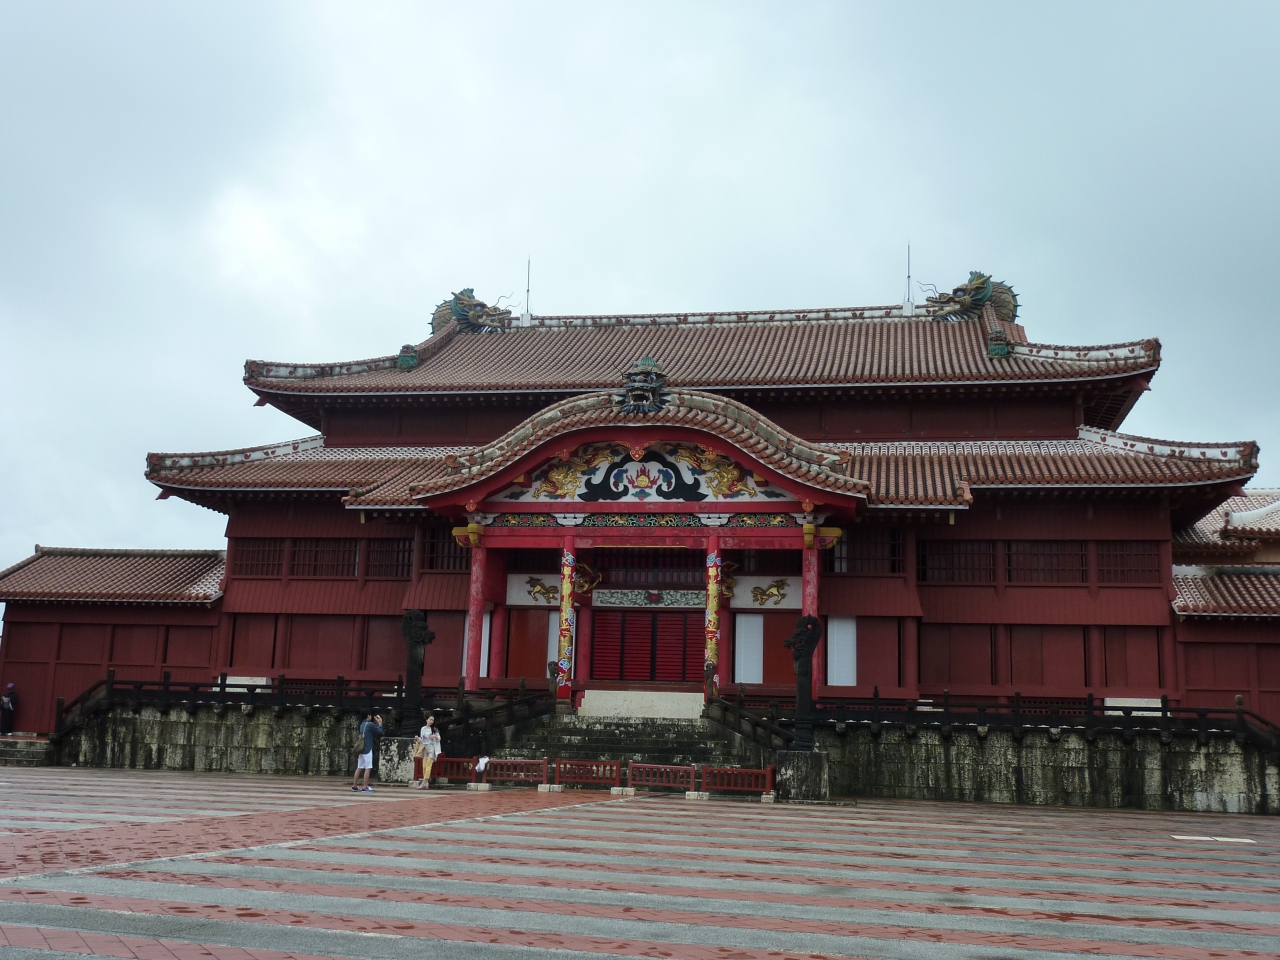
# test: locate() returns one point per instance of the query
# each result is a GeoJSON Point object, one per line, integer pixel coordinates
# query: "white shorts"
{"type": "Point", "coordinates": [365, 761]}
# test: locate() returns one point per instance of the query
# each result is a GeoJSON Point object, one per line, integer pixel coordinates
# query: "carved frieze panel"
{"type": "Point", "coordinates": [616, 473]}
{"type": "Point", "coordinates": [766, 593]}
{"type": "Point", "coordinates": [649, 598]}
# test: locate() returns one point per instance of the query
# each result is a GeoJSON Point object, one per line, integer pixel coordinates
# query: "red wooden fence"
{"type": "Point", "coordinates": [737, 779]}
{"type": "Point", "coordinates": [455, 768]}
{"type": "Point", "coordinates": [517, 771]}
{"type": "Point", "coordinates": [661, 775]}
{"type": "Point", "coordinates": [589, 773]}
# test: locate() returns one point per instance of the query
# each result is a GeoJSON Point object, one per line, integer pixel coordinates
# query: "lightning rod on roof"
{"type": "Point", "coordinates": [908, 304]}
{"type": "Point", "coordinates": [526, 317]}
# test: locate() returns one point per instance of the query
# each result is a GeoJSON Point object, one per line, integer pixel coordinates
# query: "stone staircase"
{"type": "Point", "coordinates": [677, 742]}
{"type": "Point", "coordinates": [25, 750]}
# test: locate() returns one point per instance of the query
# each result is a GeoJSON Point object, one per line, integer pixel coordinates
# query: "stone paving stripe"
{"type": "Point", "coordinates": [678, 940]}
{"type": "Point", "coordinates": [1238, 919]}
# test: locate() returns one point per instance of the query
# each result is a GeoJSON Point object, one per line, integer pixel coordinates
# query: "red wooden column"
{"type": "Point", "coordinates": [711, 619]}
{"type": "Point", "coordinates": [809, 603]}
{"type": "Point", "coordinates": [564, 653]}
{"type": "Point", "coordinates": [498, 642]}
{"type": "Point", "coordinates": [475, 616]}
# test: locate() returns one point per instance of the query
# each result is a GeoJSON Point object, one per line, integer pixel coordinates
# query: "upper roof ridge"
{"type": "Point", "coordinates": [220, 458]}
{"type": "Point", "coordinates": [44, 551]}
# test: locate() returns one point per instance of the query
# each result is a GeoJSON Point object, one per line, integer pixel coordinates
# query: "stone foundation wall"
{"type": "Point", "coordinates": [317, 742]}
{"type": "Point", "coordinates": [1063, 770]}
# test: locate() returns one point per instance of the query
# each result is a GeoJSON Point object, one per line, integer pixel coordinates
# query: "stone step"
{"type": "Point", "coordinates": [32, 752]}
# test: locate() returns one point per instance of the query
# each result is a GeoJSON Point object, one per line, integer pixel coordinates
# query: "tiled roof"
{"type": "Point", "coordinates": [940, 473]}
{"type": "Point", "coordinates": [1258, 517]}
{"type": "Point", "coordinates": [1229, 592]}
{"type": "Point", "coordinates": [910, 473]}
{"type": "Point", "coordinates": [829, 347]}
{"type": "Point", "coordinates": [68, 574]}
{"type": "Point", "coordinates": [297, 465]}
{"type": "Point", "coordinates": [1232, 529]}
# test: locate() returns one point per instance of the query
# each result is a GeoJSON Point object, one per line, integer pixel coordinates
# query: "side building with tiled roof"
{"type": "Point", "coordinates": [649, 502]}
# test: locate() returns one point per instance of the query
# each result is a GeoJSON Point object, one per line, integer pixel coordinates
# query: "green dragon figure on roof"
{"type": "Point", "coordinates": [966, 301]}
{"type": "Point", "coordinates": [471, 315]}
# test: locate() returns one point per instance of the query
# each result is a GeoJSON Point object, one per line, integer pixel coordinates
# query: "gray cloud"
{"type": "Point", "coordinates": [184, 187]}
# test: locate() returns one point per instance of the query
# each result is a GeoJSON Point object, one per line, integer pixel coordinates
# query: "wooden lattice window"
{"type": "Point", "coordinates": [868, 551]}
{"type": "Point", "coordinates": [956, 561]}
{"type": "Point", "coordinates": [651, 568]}
{"type": "Point", "coordinates": [443, 552]}
{"type": "Point", "coordinates": [1047, 561]}
{"type": "Point", "coordinates": [258, 557]}
{"type": "Point", "coordinates": [391, 559]}
{"type": "Point", "coordinates": [325, 557]}
{"type": "Point", "coordinates": [1129, 561]}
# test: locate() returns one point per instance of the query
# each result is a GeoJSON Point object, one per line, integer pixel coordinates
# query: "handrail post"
{"type": "Point", "coordinates": [339, 691]}
{"type": "Point", "coordinates": [222, 684]}
{"type": "Point", "coordinates": [1088, 713]}
{"type": "Point", "coordinates": [1017, 710]}
{"type": "Point", "coordinates": [946, 706]}
{"type": "Point", "coordinates": [875, 704]}
{"type": "Point", "coordinates": [59, 719]}
{"type": "Point", "coordinates": [108, 690]}
{"type": "Point", "coordinates": [1240, 728]}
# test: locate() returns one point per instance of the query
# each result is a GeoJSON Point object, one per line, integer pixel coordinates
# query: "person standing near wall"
{"type": "Point", "coordinates": [426, 748]}
{"type": "Point", "coordinates": [8, 707]}
{"type": "Point", "coordinates": [370, 728]}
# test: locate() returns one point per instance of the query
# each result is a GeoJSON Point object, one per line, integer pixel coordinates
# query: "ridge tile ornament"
{"type": "Point", "coordinates": [616, 473]}
{"type": "Point", "coordinates": [966, 301]}
{"type": "Point", "coordinates": [470, 315]}
{"type": "Point", "coordinates": [408, 357]}
{"type": "Point", "coordinates": [644, 389]}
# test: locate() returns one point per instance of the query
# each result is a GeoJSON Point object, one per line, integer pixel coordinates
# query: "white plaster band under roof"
{"type": "Point", "coordinates": [1163, 448]}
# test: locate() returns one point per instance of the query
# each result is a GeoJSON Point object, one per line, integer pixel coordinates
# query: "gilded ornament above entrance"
{"type": "Point", "coordinates": [616, 473]}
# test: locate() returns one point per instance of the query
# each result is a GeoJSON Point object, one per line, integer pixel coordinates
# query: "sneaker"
{"type": "Point", "coordinates": [367, 790]}
{"type": "Point", "coordinates": [355, 789]}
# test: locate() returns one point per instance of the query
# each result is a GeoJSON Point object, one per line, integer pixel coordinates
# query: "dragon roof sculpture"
{"type": "Point", "coordinates": [471, 315]}
{"type": "Point", "coordinates": [966, 301]}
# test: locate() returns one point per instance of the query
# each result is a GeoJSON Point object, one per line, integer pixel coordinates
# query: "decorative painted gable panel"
{"type": "Point", "coordinates": [614, 473]}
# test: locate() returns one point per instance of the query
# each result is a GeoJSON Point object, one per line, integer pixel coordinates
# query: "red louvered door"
{"type": "Point", "coordinates": [606, 645]}
{"type": "Point", "coordinates": [637, 645]}
{"type": "Point", "coordinates": [669, 646]}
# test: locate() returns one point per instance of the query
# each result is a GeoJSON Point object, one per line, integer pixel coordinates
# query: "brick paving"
{"type": "Point", "coordinates": [167, 865]}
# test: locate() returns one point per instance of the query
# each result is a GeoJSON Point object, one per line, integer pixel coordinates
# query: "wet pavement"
{"type": "Point", "coordinates": [173, 865]}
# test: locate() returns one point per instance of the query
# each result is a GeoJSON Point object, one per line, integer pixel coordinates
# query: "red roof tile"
{"type": "Point", "coordinates": [296, 465]}
{"type": "Point", "coordinates": [1229, 592]}
{"type": "Point", "coordinates": [908, 473]}
{"type": "Point", "coordinates": [1254, 516]}
{"type": "Point", "coordinates": [831, 347]}
{"type": "Point", "coordinates": [940, 473]}
{"type": "Point", "coordinates": [66, 574]}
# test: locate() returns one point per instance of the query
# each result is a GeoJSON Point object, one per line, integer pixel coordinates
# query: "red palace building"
{"type": "Point", "coordinates": [650, 502]}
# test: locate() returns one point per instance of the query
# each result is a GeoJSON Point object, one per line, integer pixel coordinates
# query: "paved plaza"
{"type": "Point", "coordinates": [170, 865]}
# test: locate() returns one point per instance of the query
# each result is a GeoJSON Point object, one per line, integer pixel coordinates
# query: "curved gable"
{"type": "Point", "coordinates": [698, 447]}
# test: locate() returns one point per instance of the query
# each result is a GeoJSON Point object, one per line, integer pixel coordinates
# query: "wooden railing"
{"type": "Point", "coordinates": [662, 776]}
{"type": "Point", "coordinates": [589, 773]}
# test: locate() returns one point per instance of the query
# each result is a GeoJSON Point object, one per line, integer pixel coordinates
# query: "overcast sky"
{"type": "Point", "coordinates": [183, 186]}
